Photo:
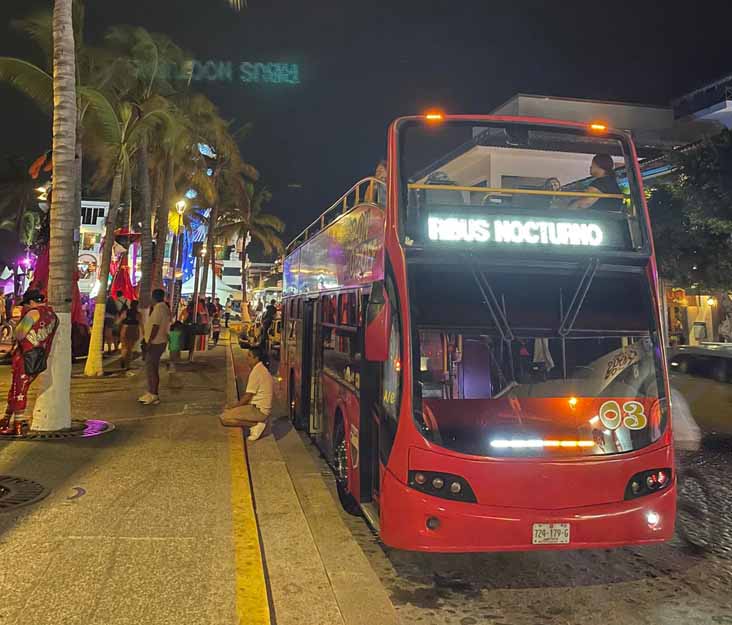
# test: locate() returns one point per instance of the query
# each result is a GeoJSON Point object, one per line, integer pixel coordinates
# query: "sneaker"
{"type": "Point", "coordinates": [143, 399]}
{"type": "Point", "coordinates": [256, 431]}
{"type": "Point", "coordinates": [152, 400]}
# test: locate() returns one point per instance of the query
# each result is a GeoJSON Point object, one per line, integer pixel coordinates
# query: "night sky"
{"type": "Point", "coordinates": [362, 64]}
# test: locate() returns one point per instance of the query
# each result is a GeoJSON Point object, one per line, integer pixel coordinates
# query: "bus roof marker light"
{"type": "Point", "coordinates": [598, 127]}
{"type": "Point", "coordinates": [434, 116]}
{"type": "Point", "coordinates": [572, 402]}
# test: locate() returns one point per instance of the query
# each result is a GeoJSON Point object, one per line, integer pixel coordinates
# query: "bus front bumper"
{"type": "Point", "coordinates": [470, 527]}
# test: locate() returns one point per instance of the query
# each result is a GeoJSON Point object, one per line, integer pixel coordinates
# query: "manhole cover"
{"type": "Point", "coordinates": [16, 492]}
{"type": "Point", "coordinates": [78, 429]}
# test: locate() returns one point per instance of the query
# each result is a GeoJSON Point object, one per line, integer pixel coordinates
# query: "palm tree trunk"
{"type": "Point", "coordinates": [213, 275]}
{"type": "Point", "coordinates": [213, 218]}
{"type": "Point", "coordinates": [244, 303]}
{"type": "Point", "coordinates": [146, 233]}
{"type": "Point", "coordinates": [162, 206]}
{"type": "Point", "coordinates": [204, 274]}
{"type": "Point", "coordinates": [173, 264]}
{"type": "Point", "coordinates": [52, 410]}
{"type": "Point", "coordinates": [94, 365]}
{"type": "Point", "coordinates": [78, 190]}
{"type": "Point", "coordinates": [128, 201]}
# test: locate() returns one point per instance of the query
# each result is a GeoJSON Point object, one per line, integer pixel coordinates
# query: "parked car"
{"type": "Point", "coordinates": [703, 374]}
{"type": "Point", "coordinates": [708, 360]}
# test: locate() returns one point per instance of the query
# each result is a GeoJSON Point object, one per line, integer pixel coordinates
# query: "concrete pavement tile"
{"type": "Point", "coordinates": [301, 589]}
{"type": "Point", "coordinates": [126, 582]}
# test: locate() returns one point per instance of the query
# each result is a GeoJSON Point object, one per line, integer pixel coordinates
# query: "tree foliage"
{"type": "Point", "coordinates": [692, 217]}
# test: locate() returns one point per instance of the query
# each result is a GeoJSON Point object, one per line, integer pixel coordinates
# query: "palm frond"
{"type": "Point", "coordinates": [229, 231]}
{"type": "Point", "coordinates": [270, 242]}
{"type": "Point", "coordinates": [102, 114]}
{"type": "Point", "coordinates": [268, 221]}
{"type": "Point", "coordinates": [38, 26]}
{"type": "Point", "coordinates": [29, 79]}
{"type": "Point", "coordinates": [204, 185]}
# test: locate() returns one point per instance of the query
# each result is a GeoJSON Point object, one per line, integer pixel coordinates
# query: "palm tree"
{"type": "Point", "coordinates": [93, 67]}
{"type": "Point", "coordinates": [17, 201]}
{"type": "Point", "coordinates": [140, 78]}
{"type": "Point", "coordinates": [121, 128]}
{"type": "Point", "coordinates": [52, 410]}
{"type": "Point", "coordinates": [246, 218]}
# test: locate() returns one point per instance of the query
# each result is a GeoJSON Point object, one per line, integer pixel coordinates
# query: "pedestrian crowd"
{"type": "Point", "coordinates": [133, 332]}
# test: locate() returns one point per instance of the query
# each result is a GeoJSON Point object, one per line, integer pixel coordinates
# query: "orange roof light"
{"type": "Point", "coordinates": [598, 127]}
{"type": "Point", "coordinates": [434, 116]}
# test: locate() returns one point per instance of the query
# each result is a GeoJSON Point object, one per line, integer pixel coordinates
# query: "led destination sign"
{"type": "Point", "coordinates": [510, 230]}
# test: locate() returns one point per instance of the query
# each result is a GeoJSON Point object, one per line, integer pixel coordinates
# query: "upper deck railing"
{"type": "Point", "coordinates": [507, 191]}
{"type": "Point", "coordinates": [367, 190]}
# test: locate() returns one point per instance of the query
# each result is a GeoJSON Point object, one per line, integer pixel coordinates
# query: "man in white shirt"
{"type": "Point", "coordinates": [255, 406]}
{"type": "Point", "coordinates": [157, 330]}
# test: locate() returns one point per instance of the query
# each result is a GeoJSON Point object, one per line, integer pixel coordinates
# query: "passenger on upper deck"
{"type": "Point", "coordinates": [553, 184]}
{"type": "Point", "coordinates": [377, 193]}
{"type": "Point", "coordinates": [603, 170]}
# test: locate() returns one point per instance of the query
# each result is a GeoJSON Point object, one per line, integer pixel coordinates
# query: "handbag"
{"type": "Point", "coordinates": [35, 361]}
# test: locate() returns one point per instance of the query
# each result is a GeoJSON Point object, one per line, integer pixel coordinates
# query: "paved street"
{"type": "Point", "coordinates": [139, 526]}
{"type": "Point", "coordinates": [661, 585]}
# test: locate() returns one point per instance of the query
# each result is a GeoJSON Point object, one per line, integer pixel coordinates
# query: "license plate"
{"type": "Point", "coordinates": [550, 534]}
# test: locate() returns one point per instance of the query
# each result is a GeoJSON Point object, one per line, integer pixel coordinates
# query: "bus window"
{"type": "Point", "coordinates": [485, 383]}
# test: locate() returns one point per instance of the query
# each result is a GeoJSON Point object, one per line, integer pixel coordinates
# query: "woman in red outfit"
{"type": "Point", "coordinates": [34, 337]}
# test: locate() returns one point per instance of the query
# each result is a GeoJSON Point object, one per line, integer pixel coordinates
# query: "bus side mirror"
{"type": "Point", "coordinates": [378, 324]}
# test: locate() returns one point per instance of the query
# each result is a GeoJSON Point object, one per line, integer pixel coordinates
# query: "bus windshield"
{"type": "Point", "coordinates": [493, 184]}
{"type": "Point", "coordinates": [536, 364]}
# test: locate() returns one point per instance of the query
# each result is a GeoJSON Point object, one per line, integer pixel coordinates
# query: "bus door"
{"type": "Point", "coordinates": [314, 339]}
{"type": "Point", "coordinates": [369, 421]}
{"type": "Point", "coordinates": [304, 350]}
{"type": "Point", "coordinates": [380, 396]}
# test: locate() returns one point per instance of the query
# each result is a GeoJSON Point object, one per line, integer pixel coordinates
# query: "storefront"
{"type": "Point", "coordinates": [694, 317]}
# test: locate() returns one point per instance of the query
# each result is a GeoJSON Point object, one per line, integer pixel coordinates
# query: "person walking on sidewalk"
{"type": "Point", "coordinates": [129, 332]}
{"type": "Point", "coordinates": [216, 328]}
{"type": "Point", "coordinates": [255, 407]}
{"type": "Point", "coordinates": [157, 329]}
{"type": "Point", "coordinates": [227, 311]}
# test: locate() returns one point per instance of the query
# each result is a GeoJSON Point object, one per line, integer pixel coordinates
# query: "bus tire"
{"type": "Point", "coordinates": [696, 520]}
{"type": "Point", "coordinates": [340, 467]}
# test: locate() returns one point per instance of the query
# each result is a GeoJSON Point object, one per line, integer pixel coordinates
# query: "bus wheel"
{"type": "Point", "coordinates": [696, 518]}
{"type": "Point", "coordinates": [340, 465]}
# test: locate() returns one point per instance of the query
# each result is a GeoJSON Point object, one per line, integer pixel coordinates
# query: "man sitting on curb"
{"type": "Point", "coordinates": [255, 406]}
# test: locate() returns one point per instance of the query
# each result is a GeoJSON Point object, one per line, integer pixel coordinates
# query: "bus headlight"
{"type": "Point", "coordinates": [647, 482]}
{"type": "Point", "coordinates": [444, 485]}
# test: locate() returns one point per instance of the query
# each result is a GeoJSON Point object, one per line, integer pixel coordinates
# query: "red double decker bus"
{"type": "Point", "coordinates": [475, 345]}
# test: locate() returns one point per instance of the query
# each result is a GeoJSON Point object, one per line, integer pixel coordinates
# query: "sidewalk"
{"type": "Point", "coordinates": [317, 572]}
{"type": "Point", "coordinates": [149, 524]}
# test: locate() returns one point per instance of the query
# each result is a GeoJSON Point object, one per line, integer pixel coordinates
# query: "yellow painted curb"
{"type": "Point", "coordinates": [252, 602]}
{"type": "Point", "coordinates": [252, 605]}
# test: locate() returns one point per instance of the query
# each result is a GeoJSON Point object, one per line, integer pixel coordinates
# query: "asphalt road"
{"type": "Point", "coordinates": [659, 585]}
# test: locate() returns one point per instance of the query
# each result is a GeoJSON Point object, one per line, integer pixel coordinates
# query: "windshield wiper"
{"type": "Point", "coordinates": [489, 298]}
{"type": "Point", "coordinates": [567, 323]}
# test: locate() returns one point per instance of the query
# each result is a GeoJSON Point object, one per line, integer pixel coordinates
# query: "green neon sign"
{"type": "Point", "coordinates": [246, 72]}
